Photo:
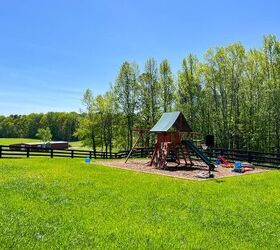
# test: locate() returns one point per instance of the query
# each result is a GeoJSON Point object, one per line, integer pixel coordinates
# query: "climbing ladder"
{"type": "Point", "coordinates": [186, 154]}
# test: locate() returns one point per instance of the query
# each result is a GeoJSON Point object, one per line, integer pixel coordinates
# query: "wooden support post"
{"type": "Point", "coordinates": [132, 148]}
{"type": "Point", "coordinates": [249, 157]}
{"type": "Point", "coordinates": [90, 155]}
{"type": "Point", "coordinates": [72, 153]}
{"type": "Point", "coordinates": [27, 152]}
{"type": "Point", "coordinates": [154, 154]}
{"type": "Point", "coordinates": [51, 153]}
{"type": "Point", "coordinates": [0, 151]}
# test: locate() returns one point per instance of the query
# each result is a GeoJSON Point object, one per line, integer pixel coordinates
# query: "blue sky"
{"type": "Point", "coordinates": [51, 51]}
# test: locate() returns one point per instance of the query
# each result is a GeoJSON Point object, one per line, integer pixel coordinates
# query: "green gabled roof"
{"type": "Point", "coordinates": [174, 120]}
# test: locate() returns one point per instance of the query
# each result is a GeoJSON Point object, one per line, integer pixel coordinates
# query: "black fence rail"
{"type": "Point", "coordinates": [8, 152]}
{"type": "Point", "coordinates": [13, 152]}
{"type": "Point", "coordinates": [257, 158]}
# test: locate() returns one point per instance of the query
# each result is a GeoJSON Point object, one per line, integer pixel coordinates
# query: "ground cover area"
{"type": "Point", "coordinates": [66, 203]}
{"type": "Point", "coordinates": [175, 170]}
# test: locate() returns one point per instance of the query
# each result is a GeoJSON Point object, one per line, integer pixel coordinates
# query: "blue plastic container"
{"type": "Point", "coordinates": [87, 160]}
{"type": "Point", "coordinates": [238, 170]}
{"type": "Point", "coordinates": [237, 164]}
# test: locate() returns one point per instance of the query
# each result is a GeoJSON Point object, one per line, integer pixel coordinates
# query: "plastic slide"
{"type": "Point", "coordinates": [225, 162]}
{"type": "Point", "coordinates": [199, 153]}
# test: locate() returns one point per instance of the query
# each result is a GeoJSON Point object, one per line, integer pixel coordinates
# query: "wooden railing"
{"type": "Point", "coordinates": [257, 158]}
{"type": "Point", "coordinates": [12, 152]}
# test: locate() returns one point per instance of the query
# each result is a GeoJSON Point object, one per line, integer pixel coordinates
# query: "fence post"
{"type": "Point", "coordinates": [249, 157]}
{"type": "Point", "coordinates": [72, 153]}
{"type": "Point", "coordinates": [51, 153]}
{"type": "Point", "coordinates": [27, 152]}
{"type": "Point", "coordinates": [90, 155]}
{"type": "Point", "coordinates": [0, 151]}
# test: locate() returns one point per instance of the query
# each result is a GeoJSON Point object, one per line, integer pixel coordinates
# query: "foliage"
{"type": "Point", "coordinates": [166, 87]}
{"type": "Point", "coordinates": [67, 204]}
{"type": "Point", "coordinates": [126, 93]}
{"type": "Point", "coordinates": [233, 94]}
{"type": "Point", "coordinates": [44, 134]}
{"type": "Point", "coordinates": [189, 91]}
{"type": "Point", "coordinates": [88, 123]}
{"type": "Point", "coordinates": [61, 124]}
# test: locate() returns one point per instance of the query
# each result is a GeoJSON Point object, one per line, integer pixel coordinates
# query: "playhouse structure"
{"type": "Point", "coordinates": [173, 142]}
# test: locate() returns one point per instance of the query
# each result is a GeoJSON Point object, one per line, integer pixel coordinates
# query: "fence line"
{"type": "Point", "coordinates": [10, 152]}
{"type": "Point", "coordinates": [258, 158]}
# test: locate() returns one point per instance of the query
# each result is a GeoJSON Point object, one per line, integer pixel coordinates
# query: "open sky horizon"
{"type": "Point", "coordinates": [51, 51]}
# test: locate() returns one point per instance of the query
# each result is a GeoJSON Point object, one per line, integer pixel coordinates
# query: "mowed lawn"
{"type": "Point", "coordinates": [66, 203]}
{"type": "Point", "coordinates": [8, 141]}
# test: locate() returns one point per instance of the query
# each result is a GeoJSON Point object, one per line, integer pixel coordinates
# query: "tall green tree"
{"type": "Point", "coordinates": [149, 107]}
{"type": "Point", "coordinates": [126, 90]}
{"type": "Point", "coordinates": [44, 134]}
{"type": "Point", "coordinates": [88, 123]}
{"type": "Point", "coordinates": [189, 90]}
{"type": "Point", "coordinates": [149, 93]}
{"type": "Point", "coordinates": [271, 49]}
{"type": "Point", "coordinates": [166, 87]}
{"type": "Point", "coordinates": [105, 116]}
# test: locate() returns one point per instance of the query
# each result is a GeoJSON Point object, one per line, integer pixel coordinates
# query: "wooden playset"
{"type": "Point", "coordinates": [171, 132]}
{"type": "Point", "coordinates": [174, 142]}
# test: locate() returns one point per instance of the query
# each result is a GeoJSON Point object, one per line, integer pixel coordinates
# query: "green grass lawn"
{"type": "Point", "coordinates": [78, 145]}
{"type": "Point", "coordinates": [73, 145]}
{"type": "Point", "coordinates": [66, 203]}
{"type": "Point", "coordinates": [8, 141]}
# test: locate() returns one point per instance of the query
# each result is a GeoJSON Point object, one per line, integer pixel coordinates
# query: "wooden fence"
{"type": "Point", "coordinates": [257, 158]}
{"type": "Point", "coordinates": [8, 152]}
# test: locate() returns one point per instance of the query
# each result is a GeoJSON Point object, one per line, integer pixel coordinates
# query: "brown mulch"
{"type": "Point", "coordinates": [172, 169]}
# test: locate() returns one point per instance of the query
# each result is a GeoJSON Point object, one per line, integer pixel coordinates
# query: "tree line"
{"type": "Point", "coordinates": [233, 94]}
{"type": "Point", "coordinates": [62, 125]}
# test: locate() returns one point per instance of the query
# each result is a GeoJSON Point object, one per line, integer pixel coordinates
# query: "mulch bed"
{"type": "Point", "coordinates": [172, 169]}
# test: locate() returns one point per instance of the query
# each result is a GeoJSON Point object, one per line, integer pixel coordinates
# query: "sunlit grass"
{"type": "Point", "coordinates": [78, 145]}
{"type": "Point", "coordinates": [8, 141]}
{"type": "Point", "coordinates": [66, 203]}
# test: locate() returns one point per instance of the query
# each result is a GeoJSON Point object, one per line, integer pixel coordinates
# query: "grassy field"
{"type": "Point", "coordinates": [8, 141]}
{"type": "Point", "coordinates": [65, 203]}
{"type": "Point", "coordinates": [78, 145]}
